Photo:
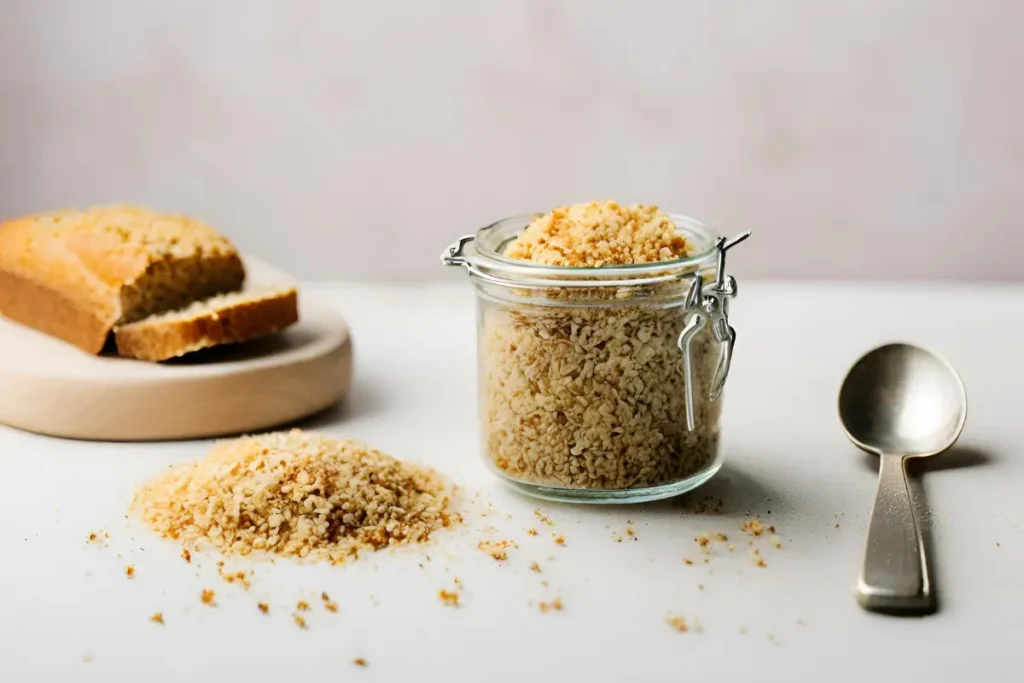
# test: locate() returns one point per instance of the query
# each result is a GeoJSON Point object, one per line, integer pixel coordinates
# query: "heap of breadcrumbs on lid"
{"type": "Point", "coordinates": [583, 387]}
{"type": "Point", "coordinates": [296, 494]}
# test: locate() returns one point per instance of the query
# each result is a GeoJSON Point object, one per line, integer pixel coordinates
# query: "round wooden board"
{"type": "Point", "coordinates": [50, 387]}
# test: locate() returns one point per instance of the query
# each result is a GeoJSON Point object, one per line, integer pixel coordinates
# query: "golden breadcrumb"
{"type": "Point", "coordinates": [302, 606]}
{"type": "Point", "coordinates": [560, 540]}
{"type": "Point", "coordinates": [687, 561]}
{"type": "Point", "coordinates": [543, 518]}
{"type": "Point", "coordinates": [232, 577]}
{"type": "Point", "coordinates": [597, 234]}
{"type": "Point", "coordinates": [752, 527]}
{"type": "Point", "coordinates": [157, 618]}
{"type": "Point", "coordinates": [186, 555]}
{"type": "Point", "coordinates": [263, 607]}
{"type": "Point", "coordinates": [721, 537]}
{"type": "Point", "coordinates": [496, 549]}
{"type": "Point", "coordinates": [359, 661]}
{"type": "Point", "coordinates": [777, 542]}
{"type": "Point", "coordinates": [555, 605]}
{"type": "Point", "coordinates": [531, 532]}
{"type": "Point", "coordinates": [678, 623]}
{"type": "Point", "coordinates": [535, 567]}
{"type": "Point", "coordinates": [299, 620]}
{"type": "Point", "coordinates": [325, 597]}
{"type": "Point", "coordinates": [129, 571]}
{"type": "Point", "coordinates": [331, 606]}
{"type": "Point", "coordinates": [208, 597]}
{"type": "Point", "coordinates": [448, 598]}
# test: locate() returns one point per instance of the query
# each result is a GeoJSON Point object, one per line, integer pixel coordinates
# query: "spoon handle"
{"type": "Point", "coordinates": [894, 575]}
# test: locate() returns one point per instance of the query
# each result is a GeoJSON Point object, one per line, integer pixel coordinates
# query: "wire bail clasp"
{"type": "Point", "coordinates": [710, 306]}
{"type": "Point", "coordinates": [452, 255]}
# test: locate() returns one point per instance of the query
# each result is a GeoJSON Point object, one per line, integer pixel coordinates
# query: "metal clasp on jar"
{"type": "Point", "coordinates": [453, 255]}
{"type": "Point", "coordinates": [710, 306]}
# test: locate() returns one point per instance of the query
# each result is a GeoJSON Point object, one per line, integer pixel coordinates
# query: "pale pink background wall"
{"type": "Point", "coordinates": [353, 139]}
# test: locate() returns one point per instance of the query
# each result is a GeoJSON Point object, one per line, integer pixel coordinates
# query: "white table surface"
{"type": "Point", "coordinates": [68, 612]}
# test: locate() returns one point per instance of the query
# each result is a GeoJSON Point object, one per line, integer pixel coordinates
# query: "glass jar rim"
{"type": "Point", "coordinates": [483, 258]}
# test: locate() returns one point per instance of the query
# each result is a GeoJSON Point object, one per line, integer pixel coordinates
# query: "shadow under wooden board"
{"type": "Point", "coordinates": [51, 387]}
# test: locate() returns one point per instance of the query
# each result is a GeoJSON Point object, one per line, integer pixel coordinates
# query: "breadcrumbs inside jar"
{"type": "Point", "coordinates": [583, 385]}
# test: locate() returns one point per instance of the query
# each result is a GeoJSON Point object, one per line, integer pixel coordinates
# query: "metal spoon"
{"type": "Point", "coordinates": [899, 401]}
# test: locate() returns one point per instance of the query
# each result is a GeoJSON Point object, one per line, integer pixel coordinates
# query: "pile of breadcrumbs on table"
{"type": "Point", "coordinates": [296, 494]}
{"type": "Point", "coordinates": [585, 388]}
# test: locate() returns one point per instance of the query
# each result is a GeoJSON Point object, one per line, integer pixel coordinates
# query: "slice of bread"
{"type": "Point", "coordinates": [76, 274]}
{"type": "Point", "coordinates": [225, 319]}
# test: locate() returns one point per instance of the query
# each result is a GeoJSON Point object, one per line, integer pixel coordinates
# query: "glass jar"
{"type": "Point", "coordinates": [600, 385]}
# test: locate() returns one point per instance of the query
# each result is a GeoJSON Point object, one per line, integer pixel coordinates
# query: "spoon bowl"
{"type": "Point", "coordinates": [903, 399]}
{"type": "Point", "coordinates": [899, 401]}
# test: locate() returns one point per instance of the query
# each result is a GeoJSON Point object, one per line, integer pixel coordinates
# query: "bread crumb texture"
{"type": "Point", "coordinates": [448, 598]}
{"type": "Point", "coordinates": [297, 495]}
{"type": "Point", "coordinates": [597, 234]}
{"type": "Point", "coordinates": [553, 606]}
{"type": "Point", "coordinates": [584, 387]}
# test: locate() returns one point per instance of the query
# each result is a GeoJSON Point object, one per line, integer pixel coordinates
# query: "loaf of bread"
{"type": "Point", "coordinates": [77, 275]}
{"type": "Point", "coordinates": [225, 319]}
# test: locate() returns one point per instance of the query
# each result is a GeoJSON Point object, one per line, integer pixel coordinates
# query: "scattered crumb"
{"type": "Point", "coordinates": [555, 605]}
{"type": "Point", "coordinates": [232, 577]}
{"type": "Point", "coordinates": [207, 597]}
{"type": "Point", "coordinates": [542, 517]}
{"type": "Point", "coordinates": [630, 532]}
{"type": "Point", "coordinates": [707, 560]}
{"type": "Point", "coordinates": [544, 583]}
{"type": "Point", "coordinates": [359, 661]}
{"type": "Point", "coordinates": [331, 606]}
{"type": "Point", "coordinates": [731, 547]}
{"type": "Point", "coordinates": [998, 546]}
{"type": "Point", "coordinates": [129, 571]}
{"type": "Point", "coordinates": [777, 542]}
{"type": "Point", "coordinates": [758, 560]}
{"type": "Point", "coordinates": [325, 597]}
{"type": "Point", "coordinates": [700, 586]}
{"type": "Point", "coordinates": [837, 526]}
{"type": "Point", "coordinates": [299, 620]}
{"type": "Point", "coordinates": [157, 618]}
{"type": "Point", "coordinates": [687, 561]}
{"type": "Point", "coordinates": [560, 540]}
{"type": "Point", "coordinates": [186, 555]}
{"type": "Point", "coordinates": [753, 527]}
{"type": "Point", "coordinates": [721, 537]}
{"type": "Point", "coordinates": [458, 582]}
{"type": "Point", "coordinates": [496, 549]}
{"type": "Point", "coordinates": [535, 567]}
{"type": "Point", "coordinates": [531, 532]}
{"type": "Point", "coordinates": [448, 598]}
{"type": "Point", "coordinates": [263, 607]}
{"type": "Point", "coordinates": [703, 541]}
{"type": "Point", "coordinates": [771, 529]}
{"type": "Point", "coordinates": [678, 623]}
{"type": "Point", "coordinates": [302, 606]}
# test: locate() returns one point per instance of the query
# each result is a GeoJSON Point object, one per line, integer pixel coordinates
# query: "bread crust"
{"type": "Point", "coordinates": [160, 339]}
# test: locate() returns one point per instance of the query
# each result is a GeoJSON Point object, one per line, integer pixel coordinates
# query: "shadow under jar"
{"type": "Point", "coordinates": [600, 385]}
